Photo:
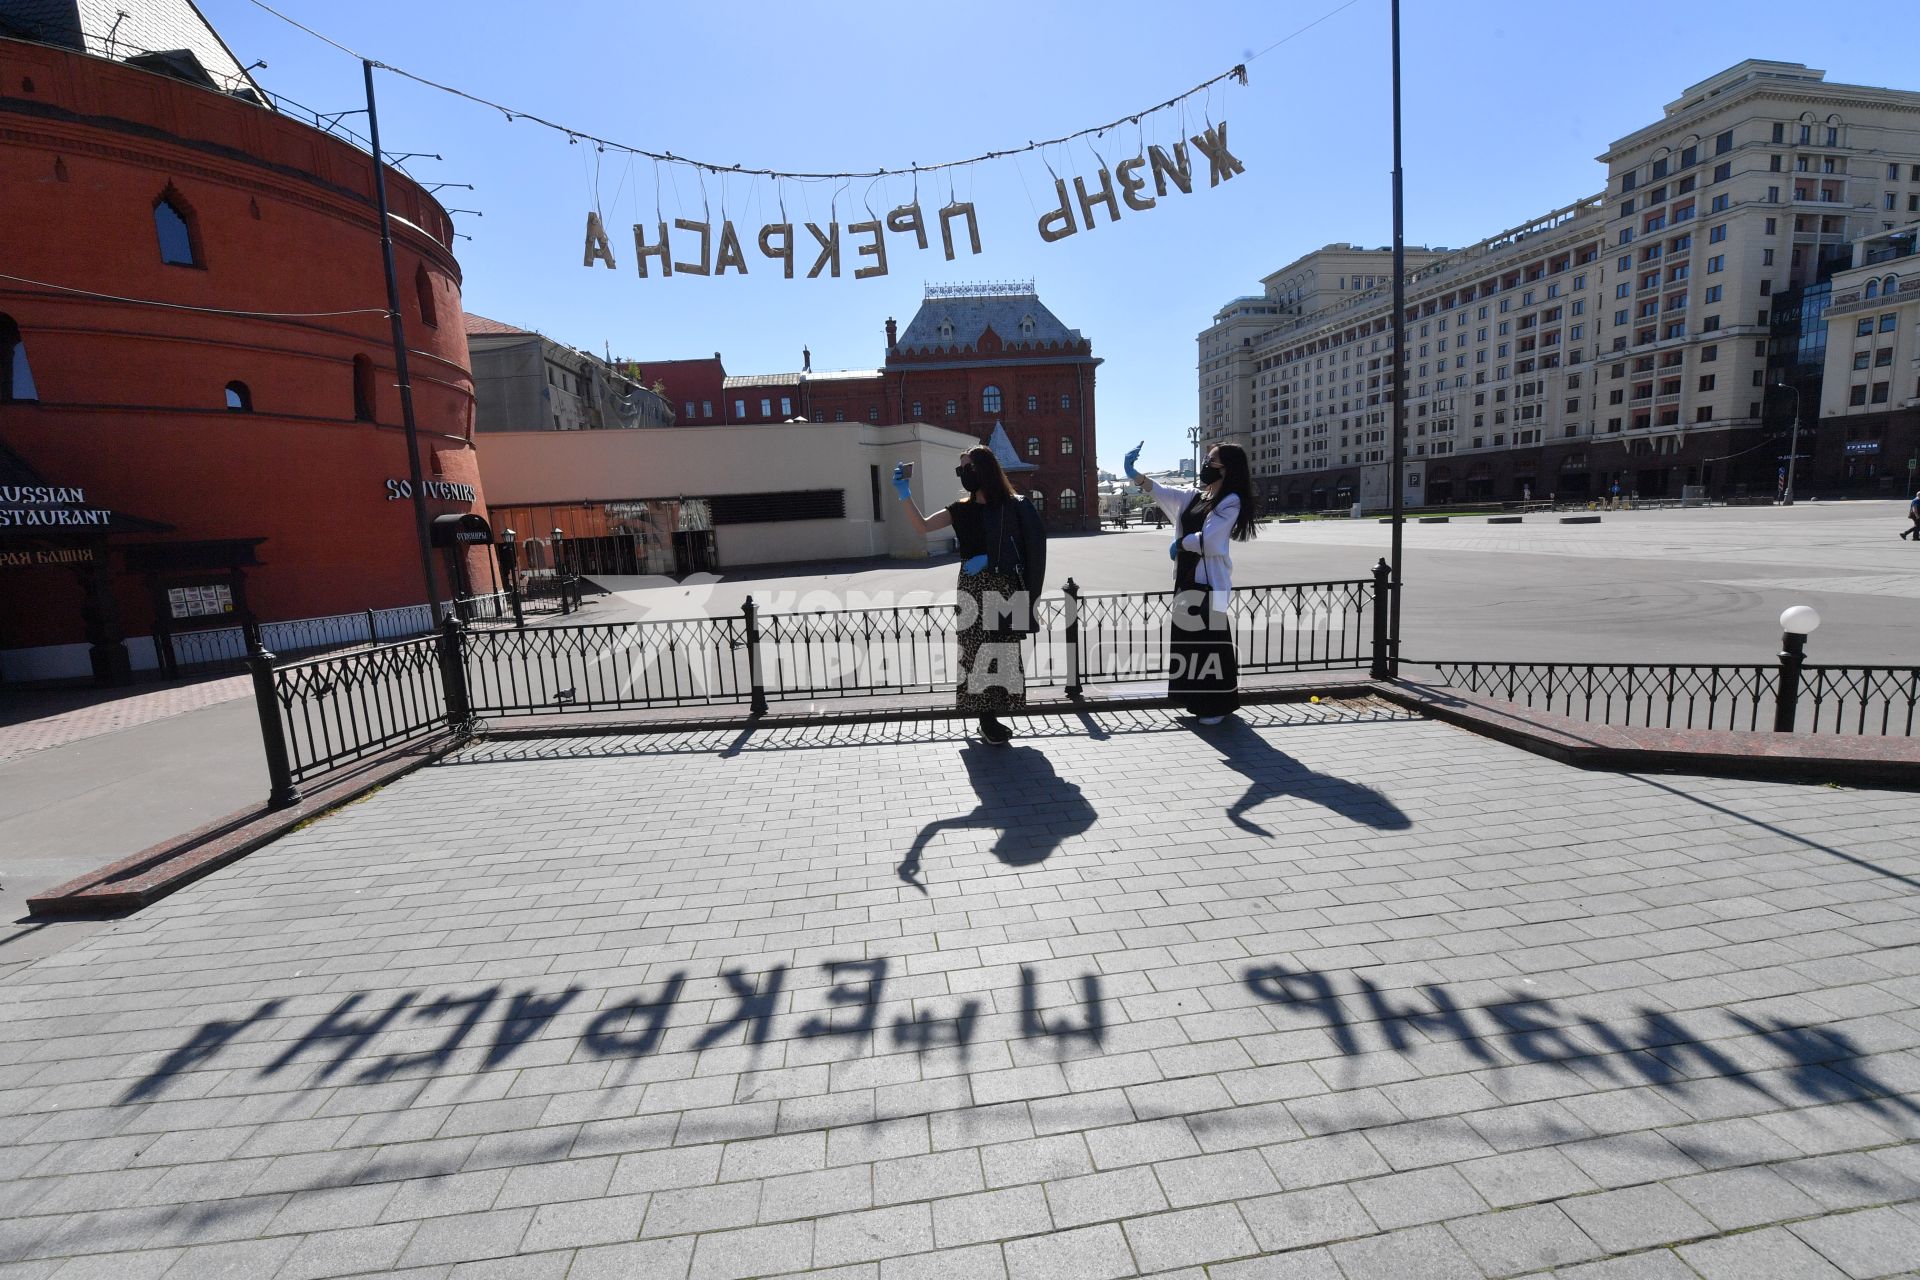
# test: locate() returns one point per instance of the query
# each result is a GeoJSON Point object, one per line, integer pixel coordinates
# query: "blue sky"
{"type": "Point", "coordinates": [1506, 106]}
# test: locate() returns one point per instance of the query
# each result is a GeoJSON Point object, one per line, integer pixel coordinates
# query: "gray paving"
{"type": "Point", "coordinates": [1332, 995]}
{"type": "Point", "coordinates": [1701, 585]}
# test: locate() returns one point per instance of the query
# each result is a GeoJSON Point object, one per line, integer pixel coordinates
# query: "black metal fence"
{"type": "Point", "coordinates": [1784, 696]}
{"type": "Point", "coordinates": [326, 712]}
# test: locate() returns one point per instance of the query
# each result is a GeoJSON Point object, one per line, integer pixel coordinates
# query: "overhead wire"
{"type": "Point", "coordinates": [1237, 72]}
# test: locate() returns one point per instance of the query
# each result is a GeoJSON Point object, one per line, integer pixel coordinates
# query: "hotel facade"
{"type": "Point", "coordinates": [1624, 342]}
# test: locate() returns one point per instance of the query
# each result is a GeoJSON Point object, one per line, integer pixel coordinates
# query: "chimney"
{"type": "Point", "coordinates": [893, 335]}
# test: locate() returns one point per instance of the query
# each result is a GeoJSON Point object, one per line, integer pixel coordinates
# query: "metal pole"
{"type": "Point", "coordinates": [1398, 471]}
{"type": "Point", "coordinates": [1793, 447]}
{"type": "Point", "coordinates": [282, 792]}
{"type": "Point", "coordinates": [400, 346]}
{"type": "Point", "coordinates": [1793, 656]}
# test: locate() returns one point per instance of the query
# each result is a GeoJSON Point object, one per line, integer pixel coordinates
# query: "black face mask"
{"type": "Point", "coordinates": [969, 478]}
{"type": "Point", "coordinates": [1209, 474]}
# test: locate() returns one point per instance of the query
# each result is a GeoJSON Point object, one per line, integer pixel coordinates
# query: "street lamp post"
{"type": "Point", "coordinates": [1793, 447]}
{"type": "Point", "coordinates": [1193, 439]}
{"type": "Point", "coordinates": [1796, 624]}
{"type": "Point", "coordinates": [560, 567]}
{"type": "Point", "coordinates": [509, 568]}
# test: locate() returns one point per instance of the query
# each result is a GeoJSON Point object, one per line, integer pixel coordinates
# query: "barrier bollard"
{"type": "Point", "coordinates": [453, 673]}
{"type": "Point", "coordinates": [1796, 624]}
{"type": "Point", "coordinates": [1382, 668]}
{"type": "Point", "coordinates": [751, 612]}
{"type": "Point", "coordinates": [1072, 593]}
{"type": "Point", "coordinates": [281, 793]}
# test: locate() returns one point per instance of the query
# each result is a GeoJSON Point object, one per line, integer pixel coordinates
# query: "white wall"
{"type": "Point", "coordinates": [536, 467]}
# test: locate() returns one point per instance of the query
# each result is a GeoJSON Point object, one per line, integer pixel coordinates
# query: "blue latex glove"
{"type": "Point", "coordinates": [902, 483]}
{"type": "Point", "coordinates": [1133, 456]}
{"type": "Point", "coordinates": [974, 565]}
{"type": "Point", "coordinates": [1173, 550]}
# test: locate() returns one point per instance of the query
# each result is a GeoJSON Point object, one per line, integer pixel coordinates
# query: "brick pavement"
{"type": "Point", "coordinates": [1336, 995]}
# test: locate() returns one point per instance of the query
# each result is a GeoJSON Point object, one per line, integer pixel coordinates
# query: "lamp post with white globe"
{"type": "Point", "coordinates": [1796, 624]}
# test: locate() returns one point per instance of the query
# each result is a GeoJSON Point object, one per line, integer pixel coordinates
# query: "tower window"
{"type": "Point", "coordinates": [362, 389]}
{"type": "Point", "coordinates": [173, 224]}
{"type": "Point", "coordinates": [16, 379]}
{"type": "Point", "coordinates": [239, 398]}
{"type": "Point", "coordinates": [423, 289]}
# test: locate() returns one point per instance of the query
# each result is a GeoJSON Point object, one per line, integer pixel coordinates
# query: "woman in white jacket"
{"type": "Point", "coordinates": [1203, 670]}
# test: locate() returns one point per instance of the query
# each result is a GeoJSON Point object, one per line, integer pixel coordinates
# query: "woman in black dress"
{"type": "Point", "coordinates": [1002, 573]}
{"type": "Point", "coordinates": [1203, 670]}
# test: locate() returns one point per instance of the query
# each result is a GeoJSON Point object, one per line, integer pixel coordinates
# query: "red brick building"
{"type": "Point", "coordinates": [972, 359]}
{"type": "Point", "coordinates": [976, 358]}
{"type": "Point", "coordinates": [227, 448]}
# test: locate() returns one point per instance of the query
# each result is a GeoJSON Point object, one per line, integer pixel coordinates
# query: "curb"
{"type": "Point", "coordinates": [1723, 753]}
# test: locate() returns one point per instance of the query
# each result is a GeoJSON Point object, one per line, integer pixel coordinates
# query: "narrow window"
{"type": "Point", "coordinates": [423, 288]}
{"type": "Point", "coordinates": [1066, 445]}
{"type": "Point", "coordinates": [16, 379]}
{"type": "Point", "coordinates": [172, 222]}
{"type": "Point", "coordinates": [1033, 446]}
{"type": "Point", "coordinates": [239, 398]}
{"type": "Point", "coordinates": [362, 389]}
{"type": "Point", "coordinates": [990, 400]}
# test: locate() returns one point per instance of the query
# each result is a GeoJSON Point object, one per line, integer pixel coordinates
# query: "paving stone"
{"type": "Point", "coordinates": [1521, 1240]}
{"type": "Point", "coordinates": [1100, 1197]}
{"type": "Point", "coordinates": [1427, 1252]}
{"type": "Point", "coordinates": [1425, 1195]}
{"type": "Point", "coordinates": [1873, 1242]}
{"type": "Point", "coordinates": [1091, 1253]}
{"type": "Point", "coordinates": [1188, 1237]}
{"type": "Point", "coordinates": [1772, 1254]}
{"type": "Point", "coordinates": [576, 1223]}
{"type": "Point", "coordinates": [990, 1215]}
{"type": "Point", "coordinates": [753, 1251]}
{"type": "Point", "coordinates": [874, 1234]}
{"type": "Point", "coordinates": [1732, 1199]}
{"type": "Point", "coordinates": [1636, 1218]}
{"type": "Point", "coordinates": [1296, 1219]}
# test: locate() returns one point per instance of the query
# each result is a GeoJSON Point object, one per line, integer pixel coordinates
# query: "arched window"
{"type": "Point", "coordinates": [1038, 499]}
{"type": "Point", "coordinates": [1873, 289]}
{"type": "Point", "coordinates": [16, 379]}
{"type": "Point", "coordinates": [423, 288]}
{"type": "Point", "coordinates": [1069, 500]}
{"type": "Point", "coordinates": [1066, 445]}
{"type": "Point", "coordinates": [362, 389]}
{"type": "Point", "coordinates": [173, 224]}
{"type": "Point", "coordinates": [239, 398]}
{"type": "Point", "coordinates": [990, 400]}
{"type": "Point", "coordinates": [1890, 285]}
{"type": "Point", "coordinates": [1033, 446]}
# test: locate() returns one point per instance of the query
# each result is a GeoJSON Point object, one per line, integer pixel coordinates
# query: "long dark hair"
{"type": "Point", "coordinates": [993, 480]}
{"type": "Point", "coordinates": [1238, 480]}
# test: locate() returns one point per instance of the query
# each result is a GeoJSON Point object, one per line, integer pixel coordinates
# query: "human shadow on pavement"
{"type": "Point", "coordinates": [1272, 773]}
{"type": "Point", "coordinates": [1033, 808]}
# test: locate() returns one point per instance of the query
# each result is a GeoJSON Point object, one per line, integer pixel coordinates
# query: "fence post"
{"type": "Point", "coordinates": [1385, 658]}
{"type": "Point", "coordinates": [453, 673]}
{"type": "Point", "coordinates": [373, 629]}
{"type": "Point", "coordinates": [1072, 592]}
{"type": "Point", "coordinates": [273, 735]}
{"type": "Point", "coordinates": [1793, 656]}
{"type": "Point", "coordinates": [754, 676]}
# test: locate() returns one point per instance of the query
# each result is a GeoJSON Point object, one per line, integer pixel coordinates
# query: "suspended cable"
{"type": "Point", "coordinates": [1237, 73]}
